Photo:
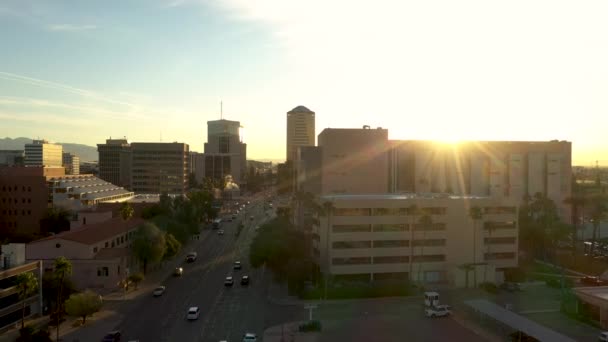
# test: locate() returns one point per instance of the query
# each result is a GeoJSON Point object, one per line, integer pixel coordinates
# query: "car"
{"type": "Point", "coordinates": [437, 311]}
{"type": "Point", "coordinates": [245, 280]}
{"type": "Point", "coordinates": [112, 336]}
{"type": "Point", "coordinates": [250, 337]}
{"type": "Point", "coordinates": [220, 232]}
{"type": "Point", "coordinates": [191, 257]}
{"type": "Point", "coordinates": [510, 286]}
{"type": "Point", "coordinates": [178, 271]}
{"type": "Point", "coordinates": [193, 313]}
{"type": "Point", "coordinates": [251, 217]}
{"type": "Point", "coordinates": [591, 281]}
{"type": "Point", "coordinates": [237, 265]}
{"type": "Point", "coordinates": [603, 337]}
{"type": "Point", "coordinates": [159, 291]}
{"type": "Point", "coordinates": [229, 281]}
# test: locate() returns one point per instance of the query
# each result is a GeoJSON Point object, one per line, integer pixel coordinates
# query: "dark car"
{"type": "Point", "coordinates": [245, 280]}
{"type": "Point", "coordinates": [112, 336]}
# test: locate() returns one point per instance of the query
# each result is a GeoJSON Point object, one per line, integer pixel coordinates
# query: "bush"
{"type": "Point", "coordinates": [310, 326]}
{"type": "Point", "coordinates": [489, 287]}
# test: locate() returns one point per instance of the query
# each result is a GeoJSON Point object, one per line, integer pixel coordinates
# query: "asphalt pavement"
{"type": "Point", "coordinates": [226, 312]}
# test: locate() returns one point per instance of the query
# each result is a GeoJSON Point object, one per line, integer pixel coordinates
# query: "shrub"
{"type": "Point", "coordinates": [310, 326]}
{"type": "Point", "coordinates": [489, 287]}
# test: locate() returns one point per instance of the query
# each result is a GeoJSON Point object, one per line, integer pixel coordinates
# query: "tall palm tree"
{"type": "Point", "coordinates": [63, 269]}
{"type": "Point", "coordinates": [413, 211]}
{"type": "Point", "coordinates": [328, 208]}
{"type": "Point", "coordinates": [476, 215]}
{"type": "Point", "coordinates": [426, 221]}
{"type": "Point", "coordinates": [27, 285]}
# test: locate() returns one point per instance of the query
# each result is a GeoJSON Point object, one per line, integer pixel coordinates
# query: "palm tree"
{"type": "Point", "coordinates": [126, 211]}
{"type": "Point", "coordinates": [63, 268]}
{"type": "Point", "coordinates": [27, 285]}
{"type": "Point", "coordinates": [328, 208]}
{"type": "Point", "coordinates": [426, 221]}
{"type": "Point", "coordinates": [475, 214]}
{"type": "Point", "coordinates": [413, 211]}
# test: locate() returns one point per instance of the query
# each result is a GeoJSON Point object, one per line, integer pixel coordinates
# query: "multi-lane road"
{"type": "Point", "coordinates": [226, 312]}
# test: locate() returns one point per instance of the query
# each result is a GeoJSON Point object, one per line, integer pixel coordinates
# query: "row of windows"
{"type": "Point", "coordinates": [118, 241]}
{"type": "Point", "coordinates": [499, 241]}
{"type": "Point", "coordinates": [408, 212]}
{"type": "Point", "coordinates": [499, 256]}
{"type": "Point", "coordinates": [387, 259]}
{"type": "Point", "coordinates": [15, 188]}
{"type": "Point", "coordinates": [8, 224]}
{"type": "Point", "coordinates": [387, 243]}
{"type": "Point", "coordinates": [16, 212]}
{"type": "Point", "coordinates": [367, 228]}
{"type": "Point", "coordinates": [491, 225]}
{"type": "Point", "coordinates": [15, 200]}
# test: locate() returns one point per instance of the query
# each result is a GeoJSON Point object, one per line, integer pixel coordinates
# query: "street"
{"type": "Point", "coordinates": [226, 312]}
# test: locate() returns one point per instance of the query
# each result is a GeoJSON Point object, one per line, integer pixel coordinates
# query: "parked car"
{"type": "Point", "coordinates": [245, 280]}
{"type": "Point", "coordinates": [229, 281]}
{"type": "Point", "coordinates": [191, 257]}
{"type": "Point", "coordinates": [178, 271]}
{"type": "Point", "coordinates": [510, 286]}
{"type": "Point", "coordinates": [159, 291]}
{"type": "Point", "coordinates": [237, 265]}
{"type": "Point", "coordinates": [112, 336]}
{"type": "Point", "coordinates": [603, 337]}
{"type": "Point", "coordinates": [250, 337]}
{"type": "Point", "coordinates": [437, 311]}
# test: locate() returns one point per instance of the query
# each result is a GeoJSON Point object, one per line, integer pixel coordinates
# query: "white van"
{"type": "Point", "coordinates": [431, 298]}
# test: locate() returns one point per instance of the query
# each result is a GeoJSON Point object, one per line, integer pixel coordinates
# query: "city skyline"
{"type": "Point", "coordinates": [84, 72]}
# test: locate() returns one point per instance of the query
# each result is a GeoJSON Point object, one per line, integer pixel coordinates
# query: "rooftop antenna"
{"type": "Point", "coordinates": [221, 110]}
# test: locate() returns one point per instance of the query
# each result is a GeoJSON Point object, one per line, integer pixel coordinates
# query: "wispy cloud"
{"type": "Point", "coordinates": [71, 28]}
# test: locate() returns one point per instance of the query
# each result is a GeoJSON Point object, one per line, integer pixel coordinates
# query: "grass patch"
{"type": "Point", "coordinates": [362, 290]}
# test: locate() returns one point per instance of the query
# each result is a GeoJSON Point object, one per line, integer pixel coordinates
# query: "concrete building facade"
{"type": "Point", "coordinates": [376, 237]}
{"type": "Point", "coordinates": [12, 157]}
{"type": "Point", "coordinates": [225, 154]}
{"type": "Point", "coordinates": [42, 153]}
{"type": "Point", "coordinates": [300, 130]}
{"type": "Point", "coordinates": [115, 162]}
{"type": "Point", "coordinates": [158, 168]}
{"type": "Point", "coordinates": [71, 163]}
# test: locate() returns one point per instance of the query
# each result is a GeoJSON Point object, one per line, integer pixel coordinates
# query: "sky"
{"type": "Point", "coordinates": [85, 71]}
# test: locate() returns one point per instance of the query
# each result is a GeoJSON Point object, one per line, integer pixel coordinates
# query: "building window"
{"type": "Point", "coordinates": [29, 189]}
{"type": "Point", "coordinates": [390, 227]}
{"type": "Point", "coordinates": [499, 241]}
{"type": "Point", "coordinates": [490, 225]}
{"type": "Point", "coordinates": [434, 226]}
{"type": "Point", "coordinates": [500, 210]}
{"type": "Point", "coordinates": [499, 256]}
{"type": "Point", "coordinates": [103, 272]}
{"type": "Point", "coordinates": [352, 228]}
{"type": "Point", "coordinates": [57, 245]}
{"type": "Point", "coordinates": [397, 259]}
{"type": "Point", "coordinates": [429, 242]}
{"type": "Point", "coordinates": [112, 243]}
{"type": "Point", "coordinates": [391, 243]}
{"type": "Point", "coordinates": [94, 249]}
{"type": "Point", "coordinates": [385, 211]}
{"type": "Point", "coordinates": [352, 212]}
{"type": "Point", "coordinates": [352, 261]}
{"type": "Point", "coordinates": [435, 210]}
{"type": "Point", "coordinates": [106, 246]}
{"type": "Point", "coordinates": [429, 258]}
{"type": "Point", "coordinates": [351, 244]}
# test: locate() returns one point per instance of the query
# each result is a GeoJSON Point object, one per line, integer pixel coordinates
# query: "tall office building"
{"type": "Point", "coordinates": [115, 162]}
{"type": "Point", "coordinates": [159, 168]}
{"type": "Point", "coordinates": [71, 162]}
{"type": "Point", "coordinates": [225, 153]}
{"type": "Point", "coordinates": [12, 157]}
{"type": "Point", "coordinates": [300, 130]}
{"type": "Point", "coordinates": [42, 153]}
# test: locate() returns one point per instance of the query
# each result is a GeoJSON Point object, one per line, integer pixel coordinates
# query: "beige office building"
{"type": "Point", "coordinates": [42, 153]}
{"type": "Point", "coordinates": [376, 237]}
{"type": "Point", "coordinates": [115, 162]}
{"type": "Point", "coordinates": [158, 168]}
{"type": "Point", "coordinates": [71, 163]}
{"type": "Point", "coordinates": [300, 130]}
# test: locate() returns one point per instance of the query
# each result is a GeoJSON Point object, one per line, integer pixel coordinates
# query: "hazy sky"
{"type": "Point", "coordinates": [82, 71]}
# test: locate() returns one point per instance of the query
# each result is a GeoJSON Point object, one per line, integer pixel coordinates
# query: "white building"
{"type": "Point", "coordinates": [225, 153]}
{"type": "Point", "coordinates": [300, 130]}
{"type": "Point", "coordinates": [42, 153]}
{"type": "Point", "coordinates": [377, 237]}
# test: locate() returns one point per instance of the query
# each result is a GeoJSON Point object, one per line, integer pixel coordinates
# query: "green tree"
{"type": "Point", "coordinates": [148, 244]}
{"type": "Point", "coordinates": [476, 214]}
{"type": "Point", "coordinates": [55, 220]}
{"type": "Point", "coordinates": [136, 278]}
{"type": "Point", "coordinates": [126, 211]}
{"type": "Point", "coordinates": [83, 304]}
{"type": "Point", "coordinates": [27, 285]}
{"type": "Point", "coordinates": [173, 246]}
{"type": "Point", "coordinates": [192, 183]}
{"type": "Point", "coordinates": [62, 269]}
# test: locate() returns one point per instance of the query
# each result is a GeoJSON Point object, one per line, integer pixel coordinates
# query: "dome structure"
{"type": "Point", "coordinates": [301, 109]}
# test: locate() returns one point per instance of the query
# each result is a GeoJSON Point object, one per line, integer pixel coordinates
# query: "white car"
{"type": "Point", "coordinates": [603, 336]}
{"type": "Point", "coordinates": [159, 291]}
{"type": "Point", "coordinates": [250, 337]}
{"type": "Point", "coordinates": [191, 257]}
{"type": "Point", "coordinates": [229, 281]}
{"type": "Point", "coordinates": [220, 232]}
{"type": "Point", "coordinates": [193, 313]}
{"type": "Point", "coordinates": [237, 265]}
{"type": "Point", "coordinates": [437, 311]}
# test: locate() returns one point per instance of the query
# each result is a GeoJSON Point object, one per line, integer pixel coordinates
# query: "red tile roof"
{"type": "Point", "coordinates": [98, 232]}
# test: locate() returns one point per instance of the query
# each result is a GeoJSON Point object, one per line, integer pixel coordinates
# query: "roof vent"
{"type": "Point", "coordinates": [366, 127]}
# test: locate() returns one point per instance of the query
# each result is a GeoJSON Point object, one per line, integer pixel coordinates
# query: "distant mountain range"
{"type": "Point", "coordinates": [84, 152]}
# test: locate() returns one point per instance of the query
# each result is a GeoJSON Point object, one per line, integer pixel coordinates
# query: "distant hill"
{"type": "Point", "coordinates": [84, 152]}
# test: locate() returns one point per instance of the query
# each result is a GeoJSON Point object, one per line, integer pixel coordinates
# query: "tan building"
{"type": "Point", "coordinates": [159, 168]}
{"type": "Point", "coordinates": [99, 252]}
{"type": "Point", "coordinates": [42, 153]}
{"type": "Point", "coordinates": [376, 237]}
{"type": "Point", "coordinates": [71, 163]}
{"type": "Point", "coordinates": [225, 153]}
{"type": "Point", "coordinates": [115, 162]}
{"type": "Point", "coordinates": [300, 130]}
{"type": "Point", "coordinates": [354, 161]}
